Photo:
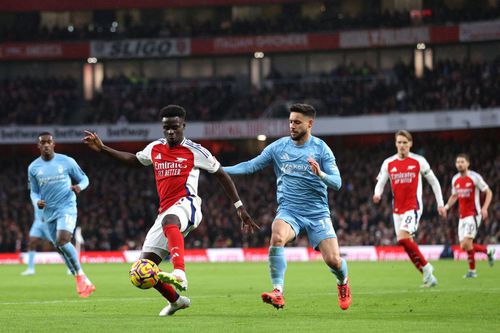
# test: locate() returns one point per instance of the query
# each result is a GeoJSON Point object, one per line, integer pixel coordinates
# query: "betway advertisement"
{"type": "Point", "coordinates": [271, 128]}
{"type": "Point", "coordinates": [350, 253]}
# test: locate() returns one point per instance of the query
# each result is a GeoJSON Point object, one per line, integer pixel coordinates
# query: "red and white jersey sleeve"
{"type": "Point", "coordinates": [406, 181]}
{"type": "Point", "coordinates": [177, 169]}
{"type": "Point", "coordinates": [467, 190]}
{"type": "Point", "coordinates": [144, 156]}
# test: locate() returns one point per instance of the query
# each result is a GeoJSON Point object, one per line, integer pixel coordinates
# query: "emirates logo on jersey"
{"type": "Point", "coordinates": [403, 177]}
{"type": "Point", "coordinates": [164, 169]}
{"type": "Point", "coordinates": [464, 192]}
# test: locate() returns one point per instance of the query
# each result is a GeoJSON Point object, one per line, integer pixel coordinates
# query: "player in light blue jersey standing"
{"type": "Point", "coordinates": [50, 178]}
{"type": "Point", "coordinates": [304, 166]}
{"type": "Point", "coordinates": [38, 232]}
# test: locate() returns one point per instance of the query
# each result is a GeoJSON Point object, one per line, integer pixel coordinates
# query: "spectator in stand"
{"type": "Point", "coordinates": [117, 217]}
{"type": "Point", "coordinates": [346, 91]}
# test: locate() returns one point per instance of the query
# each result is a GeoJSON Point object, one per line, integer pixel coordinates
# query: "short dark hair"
{"type": "Point", "coordinates": [172, 111]}
{"type": "Point", "coordinates": [45, 133]}
{"type": "Point", "coordinates": [404, 133]}
{"type": "Point", "coordinates": [465, 156]}
{"type": "Point", "coordinates": [305, 109]}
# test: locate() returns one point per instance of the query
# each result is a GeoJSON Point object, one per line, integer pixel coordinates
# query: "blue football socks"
{"type": "Point", "coordinates": [31, 260]}
{"type": "Point", "coordinates": [71, 257]}
{"type": "Point", "coordinates": [341, 273]}
{"type": "Point", "coordinates": [277, 266]}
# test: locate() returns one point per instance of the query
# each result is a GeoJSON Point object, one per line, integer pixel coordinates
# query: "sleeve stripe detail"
{"type": "Point", "coordinates": [199, 148]}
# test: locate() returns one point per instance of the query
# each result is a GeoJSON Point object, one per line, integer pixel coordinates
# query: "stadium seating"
{"type": "Point", "coordinates": [346, 91]}
{"type": "Point", "coordinates": [116, 211]}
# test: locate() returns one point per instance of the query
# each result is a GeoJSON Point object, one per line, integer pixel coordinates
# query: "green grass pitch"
{"type": "Point", "coordinates": [226, 298]}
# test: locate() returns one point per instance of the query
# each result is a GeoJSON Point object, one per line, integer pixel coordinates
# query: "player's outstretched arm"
{"type": "Point", "coordinates": [92, 140]}
{"type": "Point", "coordinates": [247, 222]}
{"type": "Point", "coordinates": [255, 164]}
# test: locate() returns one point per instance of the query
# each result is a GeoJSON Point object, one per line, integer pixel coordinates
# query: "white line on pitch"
{"type": "Point", "coordinates": [108, 299]}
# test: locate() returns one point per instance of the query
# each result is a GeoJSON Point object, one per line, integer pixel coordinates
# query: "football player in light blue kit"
{"type": "Point", "coordinates": [38, 232]}
{"type": "Point", "coordinates": [304, 166]}
{"type": "Point", "coordinates": [50, 177]}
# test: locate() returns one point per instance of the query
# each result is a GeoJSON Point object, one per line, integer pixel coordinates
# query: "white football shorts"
{"type": "Point", "coordinates": [468, 226]}
{"type": "Point", "coordinates": [407, 221]}
{"type": "Point", "coordinates": [188, 210]}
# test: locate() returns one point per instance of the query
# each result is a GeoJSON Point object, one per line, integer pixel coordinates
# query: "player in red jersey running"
{"type": "Point", "coordinates": [405, 170]}
{"type": "Point", "coordinates": [176, 162]}
{"type": "Point", "coordinates": [465, 187]}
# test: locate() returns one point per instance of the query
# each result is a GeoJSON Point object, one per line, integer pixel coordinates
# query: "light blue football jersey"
{"type": "Point", "coordinates": [37, 212]}
{"type": "Point", "coordinates": [298, 188]}
{"type": "Point", "coordinates": [51, 181]}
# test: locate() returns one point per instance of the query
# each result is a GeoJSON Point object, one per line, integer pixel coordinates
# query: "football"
{"type": "Point", "coordinates": [144, 274]}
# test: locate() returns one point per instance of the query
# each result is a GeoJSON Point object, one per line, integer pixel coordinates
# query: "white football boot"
{"type": "Point", "coordinates": [29, 271]}
{"type": "Point", "coordinates": [182, 303]}
{"type": "Point", "coordinates": [429, 279]}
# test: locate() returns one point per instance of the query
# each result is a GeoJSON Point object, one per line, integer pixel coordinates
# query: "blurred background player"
{"type": "Point", "coordinates": [50, 178]}
{"type": "Point", "coordinates": [177, 162]}
{"type": "Point", "coordinates": [405, 170]}
{"type": "Point", "coordinates": [305, 167]}
{"type": "Point", "coordinates": [465, 187]}
{"type": "Point", "coordinates": [38, 233]}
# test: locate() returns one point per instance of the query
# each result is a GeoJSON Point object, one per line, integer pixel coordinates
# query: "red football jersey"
{"type": "Point", "coordinates": [177, 168]}
{"type": "Point", "coordinates": [406, 181]}
{"type": "Point", "coordinates": [467, 190]}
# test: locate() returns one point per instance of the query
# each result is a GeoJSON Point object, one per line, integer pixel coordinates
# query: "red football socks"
{"type": "Point", "coordinates": [471, 260]}
{"type": "Point", "coordinates": [413, 252]}
{"type": "Point", "coordinates": [175, 245]}
{"type": "Point", "coordinates": [167, 291]}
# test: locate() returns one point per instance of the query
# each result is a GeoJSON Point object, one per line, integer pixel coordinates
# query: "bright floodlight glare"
{"type": "Point", "coordinates": [258, 55]}
{"type": "Point", "coordinates": [261, 137]}
{"type": "Point", "coordinates": [421, 46]}
{"type": "Point", "coordinates": [71, 28]}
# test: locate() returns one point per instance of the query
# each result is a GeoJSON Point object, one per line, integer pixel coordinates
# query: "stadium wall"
{"type": "Point", "coordinates": [350, 253]}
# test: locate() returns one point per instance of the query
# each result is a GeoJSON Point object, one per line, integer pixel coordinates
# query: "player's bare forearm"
{"type": "Point", "coordinates": [487, 199]}
{"type": "Point", "coordinates": [122, 156]}
{"type": "Point", "coordinates": [451, 201]}
{"type": "Point", "coordinates": [247, 222]}
{"type": "Point", "coordinates": [92, 140]}
{"type": "Point", "coordinates": [227, 184]}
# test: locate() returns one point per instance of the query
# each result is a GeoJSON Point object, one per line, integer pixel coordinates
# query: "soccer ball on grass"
{"type": "Point", "coordinates": [144, 274]}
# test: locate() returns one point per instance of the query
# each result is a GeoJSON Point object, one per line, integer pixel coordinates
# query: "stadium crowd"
{"type": "Point", "coordinates": [347, 90]}
{"type": "Point", "coordinates": [118, 208]}
{"type": "Point", "coordinates": [30, 100]}
{"type": "Point", "coordinates": [29, 28]}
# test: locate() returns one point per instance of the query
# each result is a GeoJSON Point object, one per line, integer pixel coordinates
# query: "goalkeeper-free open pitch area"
{"type": "Point", "coordinates": [225, 297]}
